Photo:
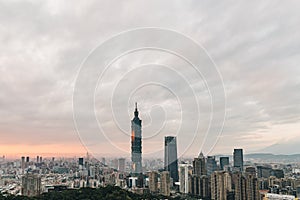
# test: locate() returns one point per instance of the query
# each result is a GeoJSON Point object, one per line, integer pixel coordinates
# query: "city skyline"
{"type": "Point", "coordinates": [254, 46]}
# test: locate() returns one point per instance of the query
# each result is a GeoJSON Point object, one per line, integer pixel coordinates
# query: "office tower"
{"type": "Point", "coordinates": [238, 160]}
{"type": "Point", "coordinates": [199, 165]}
{"type": "Point", "coordinates": [27, 159]}
{"type": "Point", "coordinates": [153, 182]}
{"type": "Point", "coordinates": [121, 164]}
{"type": "Point", "coordinates": [183, 178]}
{"type": "Point", "coordinates": [211, 165]}
{"type": "Point", "coordinates": [80, 161]}
{"type": "Point", "coordinates": [264, 171]}
{"type": "Point", "coordinates": [239, 185]}
{"type": "Point", "coordinates": [31, 185]}
{"type": "Point", "coordinates": [252, 189]}
{"type": "Point", "coordinates": [41, 159]}
{"type": "Point", "coordinates": [37, 159]}
{"type": "Point", "coordinates": [136, 143]}
{"type": "Point", "coordinates": [199, 186]}
{"type": "Point", "coordinates": [165, 183]}
{"type": "Point", "coordinates": [23, 163]}
{"type": "Point", "coordinates": [171, 162]}
{"type": "Point", "coordinates": [221, 185]}
{"type": "Point", "coordinates": [224, 161]}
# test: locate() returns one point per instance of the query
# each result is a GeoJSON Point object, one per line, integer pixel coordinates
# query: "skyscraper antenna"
{"type": "Point", "coordinates": [135, 105]}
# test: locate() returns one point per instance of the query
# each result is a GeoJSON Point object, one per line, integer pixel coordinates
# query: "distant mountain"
{"type": "Point", "coordinates": [287, 147]}
{"type": "Point", "coordinates": [269, 157]}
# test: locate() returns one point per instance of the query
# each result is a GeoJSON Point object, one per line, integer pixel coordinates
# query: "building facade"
{"type": "Point", "coordinates": [171, 162]}
{"type": "Point", "coordinates": [165, 183]}
{"type": "Point", "coordinates": [153, 182]}
{"type": "Point", "coordinates": [136, 143]}
{"type": "Point", "coordinates": [238, 159]}
{"type": "Point", "coordinates": [31, 185]}
{"type": "Point", "coordinates": [199, 165]}
{"type": "Point", "coordinates": [224, 161]}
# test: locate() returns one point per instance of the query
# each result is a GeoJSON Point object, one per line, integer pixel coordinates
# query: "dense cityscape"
{"type": "Point", "coordinates": [202, 177]}
{"type": "Point", "coordinates": [149, 100]}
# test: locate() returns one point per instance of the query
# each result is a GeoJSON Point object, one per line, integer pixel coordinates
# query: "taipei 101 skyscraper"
{"type": "Point", "coordinates": [136, 143]}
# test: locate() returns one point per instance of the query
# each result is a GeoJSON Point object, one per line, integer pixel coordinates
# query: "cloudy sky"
{"type": "Point", "coordinates": [246, 72]}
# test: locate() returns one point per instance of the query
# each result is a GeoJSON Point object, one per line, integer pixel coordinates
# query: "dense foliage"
{"type": "Point", "coordinates": [107, 193]}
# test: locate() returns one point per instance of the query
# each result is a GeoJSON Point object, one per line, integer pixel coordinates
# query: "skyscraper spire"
{"type": "Point", "coordinates": [136, 112]}
{"type": "Point", "coordinates": [201, 155]}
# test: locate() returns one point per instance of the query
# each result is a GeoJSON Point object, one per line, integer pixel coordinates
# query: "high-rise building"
{"type": "Point", "coordinates": [23, 164]}
{"type": "Point", "coordinates": [221, 185]}
{"type": "Point", "coordinates": [252, 189]}
{"type": "Point", "coordinates": [199, 165]}
{"type": "Point", "coordinates": [199, 186]}
{"type": "Point", "coordinates": [264, 171]}
{"type": "Point", "coordinates": [31, 185]}
{"type": "Point", "coordinates": [224, 161]}
{"type": "Point", "coordinates": [153, 182]}
{"type": "Point", "coordinates": [165, 183]}
{"type": "Point", "coordinates": [239, 185]}
{"type": "Point", "coordinates": [238, 160]}
{"type": "Point", "coordinates": [121, 164]}
{"type": "Point", "coordinates": [136, 143]}
{"type": "Point", "coordinates": [171, 162]}
{"type": "Point", "coordinates": [183, 178]}
{"type": "Point", "coordinates": [211, 165]}
{"type": "Point", "coordinates": [80, 161]}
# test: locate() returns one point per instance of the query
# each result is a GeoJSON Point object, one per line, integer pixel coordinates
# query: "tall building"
{"type": "Point", "coordinates": [238, 160]}
{"type": "Point", "coordinates": [136, 143]}
{"type": "Point", "coordinates": [171, 162]}
{"type": "Point", "coordinates": [23, 164]}
{"type": "Point", "coordinates": [252, 189]}
{"type": "Point", "coordinates": [183, 178]}
{"type": "Point", "coordinates": [165, 183]}
{"type": "Point", "coordinates": [153, 182]}
{"type": "Point", "coordinates": [199, 186]}
{"type": "Point", "coordinates": [221, 185]}
{"type": "Point", "coordinates": [80, 161]}
{"type": "Point", "coordinates": [264, 171]}
{"type": "Point", "coordinates": [239, 185]}
{"type": "Point", "coordinates": [199, 165]}
{"type": "Point", "coordinates": [211, 165]}
{"type": "Point", "coordinates": [31, 185]}
{"type": "Point", "coordinates": [199, 182]}
{"type": "Point", "coordinates": [224, 161]}
{"type": "Point", "coordinates": [121, 165]}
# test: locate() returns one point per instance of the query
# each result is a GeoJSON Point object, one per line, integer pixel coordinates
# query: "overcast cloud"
{"type": "Point", "coordinates": [255, 45]}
